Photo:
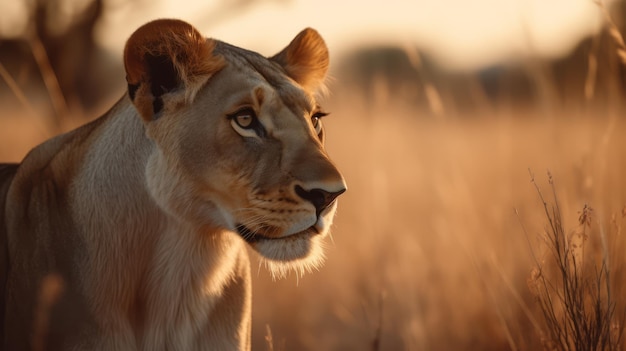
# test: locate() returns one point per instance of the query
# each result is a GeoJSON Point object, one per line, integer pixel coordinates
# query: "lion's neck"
{"type": "Point", "coordinates": [185, 280]}
{"type": "Point", "coordinates": [162, 269]}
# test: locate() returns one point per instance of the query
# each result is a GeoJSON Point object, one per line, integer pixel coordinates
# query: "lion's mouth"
{"type": "Point", "coordinates": [252, 237]}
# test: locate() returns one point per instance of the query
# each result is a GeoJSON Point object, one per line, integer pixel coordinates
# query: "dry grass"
{"type": "Point", "coordinates": [572, 285]}
{"type": "Point", "coordinates": [429, 219]}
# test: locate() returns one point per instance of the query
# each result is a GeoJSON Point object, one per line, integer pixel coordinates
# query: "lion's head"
{"type": "Point", "coordinates": [239, 137]}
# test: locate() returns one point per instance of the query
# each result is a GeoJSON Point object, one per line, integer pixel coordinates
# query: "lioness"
{"type": "Point", "coordinates": [141, 217]}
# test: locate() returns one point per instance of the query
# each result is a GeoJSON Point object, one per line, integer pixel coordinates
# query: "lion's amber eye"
{"type": "Point", "coordinates": [245, 118]}
{"type": "Point", "coordinates": [316, 120]}
{"type": "Point", "coordinates": [317, 124]}
{"type": "Point", "coordinates": [246, 123]}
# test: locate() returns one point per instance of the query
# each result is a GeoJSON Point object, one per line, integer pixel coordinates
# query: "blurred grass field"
{"type": "Point", "coordinates": [429, 242]}
{"type": "Point", "coordinates": [439, 232]}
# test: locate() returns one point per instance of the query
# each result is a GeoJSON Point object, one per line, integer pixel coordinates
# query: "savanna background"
{"type": "Point", "coordinates": [482, 142]}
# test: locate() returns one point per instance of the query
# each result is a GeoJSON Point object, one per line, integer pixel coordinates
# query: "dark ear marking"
{"type": "Point", "coordinates": [162, 73]}
{"type": "Point", "coordinates": [163, 79]}
{"type": "Point", "coordinates": [157, 106]}
{"type": "Point", "coordinates": [132, 90]}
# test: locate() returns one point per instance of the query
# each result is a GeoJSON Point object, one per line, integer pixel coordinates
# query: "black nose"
{"type": "Point", "coordinates": [320, 198]}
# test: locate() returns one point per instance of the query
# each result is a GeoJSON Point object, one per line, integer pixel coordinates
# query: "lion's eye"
{"type": "Point", "coordinates": [244, 118]}
{"type": "Point", "coordinates": [316, 120]}
{"type": "Point", "coordinates": [246, 123]}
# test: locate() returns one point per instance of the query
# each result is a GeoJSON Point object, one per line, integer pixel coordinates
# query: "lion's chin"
{"type": "Point", "coordinates": [300, 252]}
{"type": "Point", "coordinates": [253, 237]}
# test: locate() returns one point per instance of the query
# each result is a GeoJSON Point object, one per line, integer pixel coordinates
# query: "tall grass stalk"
{"type": "Point", "coordinates": [269, 339]}
{"type": "Point", "coordinates": [51, 82]}
{"type": "Point", "coordinates": [573, 287]}
{"type": "Point", "coordinates": [614, 31]}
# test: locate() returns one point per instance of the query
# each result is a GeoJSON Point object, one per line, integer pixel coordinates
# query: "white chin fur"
{"type": "Point", "coordinates": [299, 255]}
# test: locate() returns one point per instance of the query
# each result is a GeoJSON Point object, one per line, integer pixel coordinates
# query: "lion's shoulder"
{"type": "Point", "coordinates": [58, 158]}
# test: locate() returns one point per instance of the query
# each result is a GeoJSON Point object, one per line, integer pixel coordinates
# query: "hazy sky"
{"type": "Point", "coordinates": [461, 33]}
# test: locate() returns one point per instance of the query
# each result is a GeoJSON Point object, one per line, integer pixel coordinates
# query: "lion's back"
{"type": "Point", "coordinates": [35, 240]}
{"type": "Point", "coordinates": [7, 172]}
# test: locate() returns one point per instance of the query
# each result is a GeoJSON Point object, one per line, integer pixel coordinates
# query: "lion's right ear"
{"type": "Point", "coordinates": [167, 61]}
{"type": "Point", "coordinates": [305, 59]}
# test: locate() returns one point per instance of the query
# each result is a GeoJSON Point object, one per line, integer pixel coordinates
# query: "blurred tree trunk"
{"type": "Point", "coordinates": [71, 51]}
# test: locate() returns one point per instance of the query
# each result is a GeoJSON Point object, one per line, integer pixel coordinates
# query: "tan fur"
{"type": "Point", "coordinates": [130, 232]}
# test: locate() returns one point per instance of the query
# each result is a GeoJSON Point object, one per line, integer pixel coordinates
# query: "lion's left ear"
{"type": "Point", "coordinates": [305, 59]}
{"type": "Point", "coordinates": [167, 61]}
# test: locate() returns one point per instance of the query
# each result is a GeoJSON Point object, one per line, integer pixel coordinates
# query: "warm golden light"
{"type": "Point", "coordinates": [462, 34]}
{"type": "Point", "coordinates": [449, 119]}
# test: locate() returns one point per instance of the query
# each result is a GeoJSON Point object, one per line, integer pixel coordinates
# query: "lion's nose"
{"type": "Point", "coordinates": [320, 198]}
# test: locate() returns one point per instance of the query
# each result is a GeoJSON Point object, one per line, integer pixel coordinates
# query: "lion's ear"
{"type": "Point", "coordinates": [167, 61]}
{"type": "Point", "coordinates": [305, 59]}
